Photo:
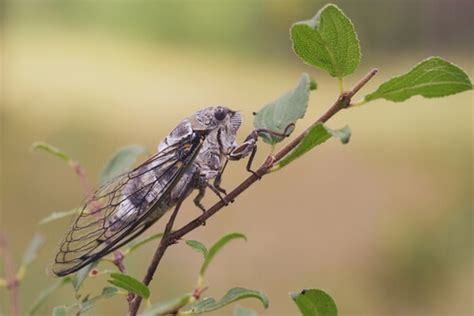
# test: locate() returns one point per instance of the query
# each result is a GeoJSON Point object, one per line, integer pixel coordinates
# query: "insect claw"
{"type": "Point", "coordinates": [255, 174]}
{"type": "Point", "coordinates": [223, 191]}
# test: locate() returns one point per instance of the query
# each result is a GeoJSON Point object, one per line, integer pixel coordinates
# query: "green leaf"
{"type": "Point", "coordinates": [286, 110]}
{"type": "Point", "coordinates": [59, 311]}
{"type": "Point", "coordinates": [41, 146]}
{"type": "Point", "coordinates": [81, 275]}
{"type": "Point", "coordinates": [217, 247]}
{"type": "Point", "coordinates": [134, 245]}
{"type": "Point", "coordinates": [88, 303]}
{"type": "Point", "coordinates": [198, 246]}
{"type": "Point", "coordinates": [59, 215]}
{"type": "Point", "coordinates": [317, 135]}
{"type": "Point", "coordinates": [168, 307]}
{"type": "Point", "coordinates": [121, 162]}
{"type": "Point", "coordinates": [314, 302]}
{"type": "Point", "coordinates": [233, 295]}
{"type": "Point", "coordinates": [130, 284]}
{"type": "Point", "coordinates": [328, 41]}
{"type": "Point", "coordinates": [240, 311]}
{"type": "Point", "coordinates": [45, 294]}
{"type": "Point", "coordinates": [433, 77]}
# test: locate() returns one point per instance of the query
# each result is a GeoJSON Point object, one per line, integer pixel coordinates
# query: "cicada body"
{"type": "Point", "coordinates": [187, 159]}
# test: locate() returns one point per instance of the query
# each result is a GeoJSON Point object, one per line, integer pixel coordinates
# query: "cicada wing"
{"type": "Point", "coordinates": [123, 208]}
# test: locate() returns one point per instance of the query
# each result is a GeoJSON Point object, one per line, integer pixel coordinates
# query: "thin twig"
{"type": "Point", "coordinates": [169, 237]}
{"type": "Point", "coordinates": [81, 174]}
{"type": "Point", "coordinates": [10, 276]}
{"type": "Point", "coordinates": [165, 242]}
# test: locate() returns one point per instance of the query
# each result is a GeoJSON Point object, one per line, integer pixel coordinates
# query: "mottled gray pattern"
{"type": "Point", "coordinates": [218, 142]}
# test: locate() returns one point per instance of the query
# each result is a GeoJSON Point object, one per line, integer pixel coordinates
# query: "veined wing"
{"type": "Point", "coordinates": [123, 208]}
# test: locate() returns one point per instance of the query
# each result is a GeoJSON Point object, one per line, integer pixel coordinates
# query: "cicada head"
{"type": "Point", "coordinates": [212, 118]}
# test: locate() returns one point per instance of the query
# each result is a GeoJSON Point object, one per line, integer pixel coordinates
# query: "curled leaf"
{"type": "Point", "coordinates": [317, 135]}
{"type": "Point", "coordinates": [217, 247]}
{"type": "Point", "coordinates": [48, 148]}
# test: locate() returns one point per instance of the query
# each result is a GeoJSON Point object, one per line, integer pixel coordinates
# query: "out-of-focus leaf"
{"type": "Point", "coordinates": [59, 310]}
{"type": "Point", "coordinates": [317, 135]}
{"type": "Point", "coordinates": [328, 41]}
{"type": "Point", "coordinates": [45, 294]}
{"type": "Point", "coordinates": [122, 161]}
{"type": "Point", "coordinates": [30, 254]}
{"type": "Point", "coordinates": [344, 134]}
{"type": "Point", "coordinates": [168, 307]}
{"type": "Point", "coordinates": [278, 115]}
{"type": "Point", "coordinates": [314, 302]}
{"type": "Point", "coordinates": [240, 311]}
{"type": "Point", "coordinates": [41, 146]}
{"type": "Point", "coordinates": [433, 77]}
{"type": "Point", "coordinates": [198, 246]}
{"type": "Point", "coordinates": [32, 250]}
{"type": "Point", "coordinates": [88, 303]}
{"type": "Point", "coordinates": [81, 275]}
{"type": "Point", "coordinates": [233, 295]}
{"type": "Point", "coordinates": [134, 245]}
{"type": "Point", "coordinates": [59, 215]}
{"type": "Point", "coordinates": [217, 247]}
{"type": "Point", "coordinates": [129, 284]}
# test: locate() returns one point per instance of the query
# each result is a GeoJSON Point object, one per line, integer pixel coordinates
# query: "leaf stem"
{"type": "Point", "coordinates": [12, 282]}
{"type": "Point", "coordinates": [170, 237]}
{"type": "Point", "coordinates": [341, 85]}
{"type": "Point", "coordinates": [358, 103]}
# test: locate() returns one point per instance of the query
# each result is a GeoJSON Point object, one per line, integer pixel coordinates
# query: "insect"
{"type": "Point", "coordinates": [194, 153]}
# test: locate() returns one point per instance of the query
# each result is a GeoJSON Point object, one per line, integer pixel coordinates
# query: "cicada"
{"type": "Point", "coordinates": [192, 157]}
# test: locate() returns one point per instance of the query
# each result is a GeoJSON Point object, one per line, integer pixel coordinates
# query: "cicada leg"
{"type": "Point", "coordinates": [218, 179]}
{"type": "Point", "coordinates": [202, 184]}
{"type": "Point", "coordinates": [249, 146]}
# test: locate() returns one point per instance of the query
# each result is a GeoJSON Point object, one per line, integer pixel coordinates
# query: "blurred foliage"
{"type": "Point", "coordinates": [426, 259]}
{"type": "Point", "coordinates": [261, 24]}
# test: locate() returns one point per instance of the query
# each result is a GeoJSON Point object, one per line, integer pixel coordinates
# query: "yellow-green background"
{"type": "Point", "coordinates": [383, 224]}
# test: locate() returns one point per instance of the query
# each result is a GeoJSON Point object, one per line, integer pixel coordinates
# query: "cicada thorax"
{"type": "Point", "coordinates": [155, 177]}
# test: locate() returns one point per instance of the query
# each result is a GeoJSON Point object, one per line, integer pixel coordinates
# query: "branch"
{"type": "Point", "coordinates": [169, 238]}
{"type": "Point", "coordinates": [10, 275]}
{"type": "Point", "coordinates": [166, 241]}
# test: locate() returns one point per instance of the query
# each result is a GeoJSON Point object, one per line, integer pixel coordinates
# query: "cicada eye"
{"type": "Point", "coordinates": [220, 113]}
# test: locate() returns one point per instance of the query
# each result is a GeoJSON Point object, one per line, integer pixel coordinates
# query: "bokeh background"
{"type": "Point", "coordinates": [383, 224]}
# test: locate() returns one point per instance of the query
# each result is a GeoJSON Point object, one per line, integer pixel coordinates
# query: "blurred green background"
{"type": "Point", "coordinates": [383, 224]}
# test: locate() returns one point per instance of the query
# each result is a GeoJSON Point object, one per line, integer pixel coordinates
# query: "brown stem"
{"type": "Point", "coordinates": [165, 242]}
{"type": "Point", "coordinates": [169, 237]}
{"type": "Point", "coordinates": [10, 275]}
{"type": "Point", "coordinates": [81, 173]}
